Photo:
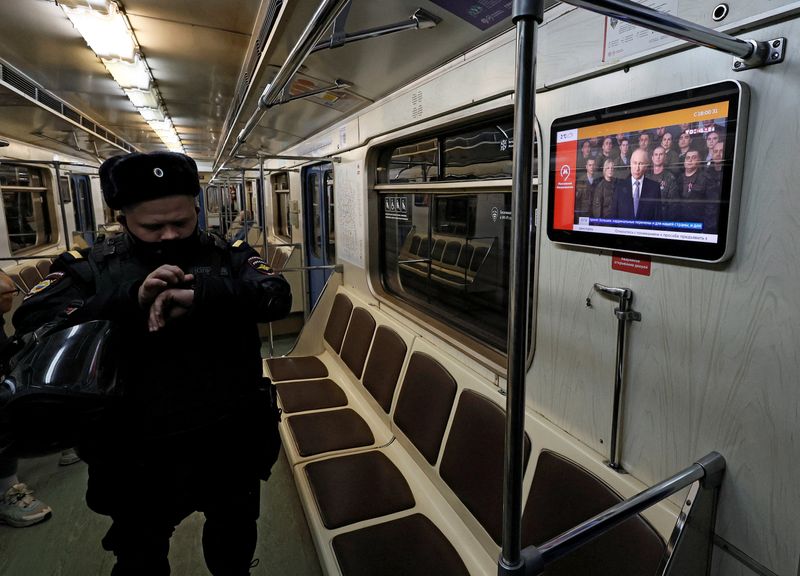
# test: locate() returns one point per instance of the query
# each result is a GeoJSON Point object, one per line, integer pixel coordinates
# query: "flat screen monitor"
{"type": "Point", "coordinates": [659, 176]}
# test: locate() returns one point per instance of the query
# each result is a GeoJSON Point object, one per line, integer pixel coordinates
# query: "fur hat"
{"type": "Point", "coordinates": [137, 177]}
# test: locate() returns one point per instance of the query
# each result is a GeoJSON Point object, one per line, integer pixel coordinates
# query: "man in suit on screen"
{"type": "Point", "coordinates": [636, 197]}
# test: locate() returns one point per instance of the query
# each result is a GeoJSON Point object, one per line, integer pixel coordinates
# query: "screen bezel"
{"type": "Point", "coordinates": [737, 96]}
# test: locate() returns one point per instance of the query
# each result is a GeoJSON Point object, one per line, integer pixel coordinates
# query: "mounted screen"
{"type": "Point", "coordinates": [659, 176]}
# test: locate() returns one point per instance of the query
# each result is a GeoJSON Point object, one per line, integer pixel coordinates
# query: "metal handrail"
{"type": "Point", "coordinates": [752, 52]}
{"type": "Point", "coordinates": [334, 267]}
{"type": "Point", "coordinates": [708, 471]}
{"type": "Point", "coordinates": [419, 20]}
{"type": "Point", "coordinates": [322, 19]}
{"type": "Point", "coordinates": [39, 257]}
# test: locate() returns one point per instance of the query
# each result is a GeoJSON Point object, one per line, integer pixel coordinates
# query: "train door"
{"type": "Point", "coordinates": [318, 202]}
{"type": "Point", "coordinates": [82, 202]}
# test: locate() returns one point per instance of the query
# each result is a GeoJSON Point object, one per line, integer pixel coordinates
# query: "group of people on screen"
{"type": "Point", "coordinates": [668, 174]}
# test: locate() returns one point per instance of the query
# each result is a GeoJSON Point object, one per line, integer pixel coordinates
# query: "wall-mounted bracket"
{"type": "Point", "coordinates": [764, 53]}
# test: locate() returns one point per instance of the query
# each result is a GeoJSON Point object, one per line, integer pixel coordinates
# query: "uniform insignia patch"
{"type": "Point", "coordinates": [49, 280]}
{"type": "Point", "coordinates": [259, 265]}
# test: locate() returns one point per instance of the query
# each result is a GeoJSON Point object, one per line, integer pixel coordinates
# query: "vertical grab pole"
{"type": "Point", "coordinates": [625, 313]}
{"type": "Point", "coordinates": [262, 209]}
{"type": "Point", "coordinates": [244, 205]}
{"type": "Point", "coordinates": [261, 198]}
{"type": "Point", "coordinates": [526, 15]}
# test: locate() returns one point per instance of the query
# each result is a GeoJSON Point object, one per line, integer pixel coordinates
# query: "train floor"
{"type": "Point", "coordinates": [68, 544]}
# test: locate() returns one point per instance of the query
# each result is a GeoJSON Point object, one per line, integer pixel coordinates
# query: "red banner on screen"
{"type": "Point", "coordinates": [564, 208]}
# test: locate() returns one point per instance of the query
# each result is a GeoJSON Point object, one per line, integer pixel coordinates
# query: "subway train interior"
{"type": "Point", "coordinates": [544, 259]}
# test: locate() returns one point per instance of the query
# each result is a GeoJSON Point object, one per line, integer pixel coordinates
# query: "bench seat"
{"type": "Point", "coordinates": [347, 409]}
{"type": "Point", "coordinates": [310, 395]}
{"type": "Point", "coordinates": [406, 477]}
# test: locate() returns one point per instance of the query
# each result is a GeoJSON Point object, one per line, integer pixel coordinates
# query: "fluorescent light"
{"type": "Point", "coordinates": [107, 34]}
{"type": "Point", "coordinates": [168, 137]}
{"type": "Point", "coordinates": [162, 126]}
{"type": "Point", "coordinates": [151, 113]}
{"type": "Point", "coordinates": [129, 74]}
{"type": "Point", "coordinates": [143, 98]}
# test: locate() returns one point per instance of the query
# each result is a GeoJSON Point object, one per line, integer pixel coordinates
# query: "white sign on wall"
{"type": "Point", "coordinates": [623, 40]}
{"type": "Point", "coordinates": [349, 214]}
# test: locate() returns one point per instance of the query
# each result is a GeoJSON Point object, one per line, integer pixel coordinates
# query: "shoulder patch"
{"type": "Point", "coordinates": [49, 280]}
{"type": "Point", "coordinates": [75, 254]}
{"type": "Point", "coordinates": [260, 266]}
{"type": "Point", "coordinates": [237, 243]}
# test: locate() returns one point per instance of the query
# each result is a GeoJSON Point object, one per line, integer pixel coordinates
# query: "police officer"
{"type": "Point", "coordinates": [195, 429]}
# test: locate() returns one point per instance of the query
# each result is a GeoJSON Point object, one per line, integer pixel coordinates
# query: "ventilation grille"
{"type": "Point", "coordinates": [248, 69]}
{"type": "Point", "coordinates": [266, 27]}
{"type": "Point", "coordinates": [50, 102]}
{"type": "Point", "coordinates": [24, 85]}
{"type": "Point", "coordinates": [72, 114]}
{"type": "Point", "coordinates": [19, 82]}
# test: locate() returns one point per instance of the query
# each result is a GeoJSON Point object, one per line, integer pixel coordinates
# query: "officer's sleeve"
{"type": "Point", "coordinates": [63, 292]}
{"type": "Point", "coordinates": [253, 289]}
{"type": "Point", "coordinates": [68, 296]}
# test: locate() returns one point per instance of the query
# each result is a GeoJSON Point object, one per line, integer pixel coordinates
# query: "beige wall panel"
{"type": "Point", "coordinates": [714, 363]}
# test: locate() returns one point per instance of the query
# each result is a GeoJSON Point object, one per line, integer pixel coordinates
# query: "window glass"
{"type": "Point", "coordinates": [213, 199]}
{"type": "Point", "coordinates": [449, 254]}
{"type": "Point", "coordinates": [27, 206]}
{"type": "Point", "coordinates": [280, 189]}
{"type": "Point", "coordinates": [282, 223]}
{"type": "Point", "coordinates": [331, 220]}
{"type": "Point", "coordinates": [444, 250]}
{"type": "Point", "coordinates": [417, 162]}
{"type": "Point", "coordinates": [484, 152]}
{"type": "Point", "coordinates": [316, 247]}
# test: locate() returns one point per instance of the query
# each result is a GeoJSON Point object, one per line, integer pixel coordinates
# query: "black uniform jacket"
{"type": "Point", "coordinates": [192, 380]}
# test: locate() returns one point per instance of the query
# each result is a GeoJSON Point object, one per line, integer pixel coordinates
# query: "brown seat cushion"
{"type": "Point", "coordinates": [384, 365]}
{"type": "Point", "coordinates": [357, 487]}
{"type": "Point", "coordinates": [337, 321]}
{"type": "Point", "coordinates": [473, 461]}
{"type": "Point", "coordinates": [423, 407]}
{"type": "Point", "coordinates": [43, 266]}
{"type": "Point", "coordinates": [30, 276]}
{"type": "Point", "coordinates": [310, 395]}
{"type": "Point", "coordinates": [410, 546]}
{"type": "Point", "coordinates": [357, 341]}
{"type": "Point", "coordinates": [562, 496]}
{"type": "Point", "coordinates": [296, 368]}
{"type": "Point", "coordinates": [321, 432]}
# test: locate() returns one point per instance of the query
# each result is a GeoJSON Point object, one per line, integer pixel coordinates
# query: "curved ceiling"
{"type": "Point", "coordinates": [198, 52]}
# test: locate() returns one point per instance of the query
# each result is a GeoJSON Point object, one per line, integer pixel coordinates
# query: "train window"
{"type": "Point", "coordinates": [280, 192]}
{"type": "Point", "coordinates": [478, 153]}
{"type": "Point", "coordinates": [481, 153]}
{"type": "Point", "coordinates": [415, 162]}
{"type": "Point", "coordinates": [449, 255]}
{"type": "Point", "coordinates": [316, 220]}
{"type": "Point", "coordinates": [446, 245]}
{"type": "Point", "coordinates": [213, 199]}
{"type": "Point", "coordinates": [331, 221]}
{"type": "Point", "coordinates": [27, 204]}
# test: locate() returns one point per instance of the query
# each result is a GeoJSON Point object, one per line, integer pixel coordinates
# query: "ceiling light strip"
{"type": "Point", "coordinates": [106, 30]}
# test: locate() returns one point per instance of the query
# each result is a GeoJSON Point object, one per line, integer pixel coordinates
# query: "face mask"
{"type": "Point", "coordinates": [178, 252]}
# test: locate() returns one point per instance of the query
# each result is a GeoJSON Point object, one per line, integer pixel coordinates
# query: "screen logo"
{"type": "Point", "coordinates": [567, 135]}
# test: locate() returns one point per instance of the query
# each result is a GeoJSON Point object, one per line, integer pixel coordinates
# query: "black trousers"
{"type": "Point", "coordinates": [140, 537]}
